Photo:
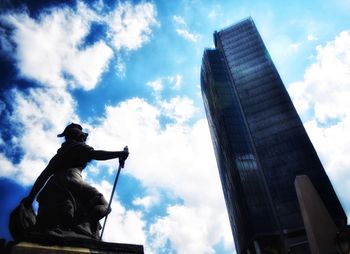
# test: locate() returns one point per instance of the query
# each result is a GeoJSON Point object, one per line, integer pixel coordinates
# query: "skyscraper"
{"type": "Point", "coordinates": [260, 144]}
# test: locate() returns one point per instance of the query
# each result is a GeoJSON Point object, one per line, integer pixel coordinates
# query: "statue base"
{"type": "Point", "coordinates": [102, 248]}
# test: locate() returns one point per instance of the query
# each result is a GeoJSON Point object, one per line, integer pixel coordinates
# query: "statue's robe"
{"type": "Point", "coordinates": [67, 203]}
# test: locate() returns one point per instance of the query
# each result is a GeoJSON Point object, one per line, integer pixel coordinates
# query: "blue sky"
{"type": "Point", "coordinates": [128, 71]}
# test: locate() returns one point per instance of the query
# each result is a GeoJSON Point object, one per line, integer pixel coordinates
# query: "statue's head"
{"type": "Point", "coordinates": [74, 131]}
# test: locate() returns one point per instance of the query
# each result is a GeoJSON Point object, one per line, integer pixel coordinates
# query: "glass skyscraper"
{"type": "Point", "coordinates": [260, 144]}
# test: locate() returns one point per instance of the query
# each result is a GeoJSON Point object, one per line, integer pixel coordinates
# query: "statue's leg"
{"type": "Point", "coordinates": [92, 205]}
{"type": "Point", "coordinates": [99, 206]}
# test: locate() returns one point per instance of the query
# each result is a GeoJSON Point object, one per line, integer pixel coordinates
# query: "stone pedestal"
{"type": "Point", "coordinates": [113, 248]}
{"type": "Point", "coordinates": [319, 226]}
{"type": "Point", "coordinates": [31, 248]}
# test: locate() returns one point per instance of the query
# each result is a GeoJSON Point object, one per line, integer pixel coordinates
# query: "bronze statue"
{"type": "Point", "coordinates": [67, 204]}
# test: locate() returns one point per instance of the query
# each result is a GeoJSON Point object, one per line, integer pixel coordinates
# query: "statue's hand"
{"type": "Point", "coordinates": [27, 201]}
{"type": "Point", "coordinates": [123, 156]}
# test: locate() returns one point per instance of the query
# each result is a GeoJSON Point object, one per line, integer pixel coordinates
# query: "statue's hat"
{"type": "Point", "coordinates": [73, 129]}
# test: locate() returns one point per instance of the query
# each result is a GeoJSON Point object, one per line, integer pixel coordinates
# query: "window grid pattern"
{"type": "Point", "coordinates": [273, 123]}
{"type": "Point", "coordinates": [244, 193]}
{"type": "Point", "coordinates": [255, 129]}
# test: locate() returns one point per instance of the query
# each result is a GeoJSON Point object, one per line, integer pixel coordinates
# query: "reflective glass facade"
{"type": "Point", "coordinates": [260, 143]}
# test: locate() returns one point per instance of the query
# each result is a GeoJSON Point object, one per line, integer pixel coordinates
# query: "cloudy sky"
{"type": "Point", "coordinates": [128, 71]}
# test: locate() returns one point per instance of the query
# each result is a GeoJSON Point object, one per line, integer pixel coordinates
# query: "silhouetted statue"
{"type": "Point", "coordinates": [68, 206]}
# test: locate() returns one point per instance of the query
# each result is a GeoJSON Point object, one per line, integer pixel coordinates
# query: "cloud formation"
{"type": "Point", "coordinates": [52, 49]}
{"type": "Point", "coordinates": [177, 158]}
{"type": "Point", "coordinates": [322, 99]}
{"type": "Point", "coordinates": [49, 49]}
{"type": "Point", "coordinates": [131, 25]}
{"type": "Point", "coordinates": [36, 119]}
{"type": "Point", "coordinates": [325, 89]}
{"type": "Point", "coordinates": [187, 35]}
{"type": "Point", "coordinates": [123, 226]}
{"type": "Point", "coordinates": [173, 82]}
{"type": "Point", "coordinates": [182, 30]}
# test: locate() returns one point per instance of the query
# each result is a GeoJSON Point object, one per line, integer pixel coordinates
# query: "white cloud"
{"type": "Point", "coordinates": [87, 65]}
{"type": "Point", "coordinates": [156, 85]}
{"type": "Point", "coordinates": [325, 89]}
{"type": "Point", "coordinates": [7, 167]}
{"type": "Point", "coordinates": [311, 37]}
{"type": "Point", "coordinates": [187, 35]}
{"type": "Point", "coordinates": [179, 20]}
{"type": "Point", "coordinates": [40, 123]}
{"type": "Point", "coordinates": [174, 82]}
{"type": "Point", "coordinates": [322, 99]}
{"type": "Point", "coordinates": [178, 108]}
{"type": "Point", "coordinates": [187, 231]}
{"type": "Point", "coordinates": [120, 68]}
{"type": "Point", "coordinates": [177, 82]}
{"type": "Point", "coordinates": [182, 30]}
{"type": "Point", "coordinates": [48, 49]}
{"type": "Point", "coordinates": [332, 144]}
{"type": "Point", "coordinates": [130, 25]}
{"type": "Point", "coordinates": [146, 201]}
{"type": "Point", "coordinates": [35, 115]}
{"type": "Point", "coordinates": [133, 114]}
{"type": "Point", "coordinates": [123, 226]}
{"type": "Point", "coordinates": [184, 227]}
{"type": "Point", "coordinates": [282, 48]}
{"type": "Point", "coordinates": [179, 159]}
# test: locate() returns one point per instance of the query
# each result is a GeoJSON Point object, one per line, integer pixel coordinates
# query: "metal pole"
{"type": "Point", "coordinates": [121, 165]}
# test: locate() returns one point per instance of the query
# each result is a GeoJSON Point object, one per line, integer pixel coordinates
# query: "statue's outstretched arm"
{"type": "Point", "coordinates": [39, 183]}
{"type": "Point", "coordinates": [107, 155]}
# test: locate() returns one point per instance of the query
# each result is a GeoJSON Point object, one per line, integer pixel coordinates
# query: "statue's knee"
{"type": "Point", "coordinates": [98, 200]}
{"type": "Point", "coordinates": [100, 211]}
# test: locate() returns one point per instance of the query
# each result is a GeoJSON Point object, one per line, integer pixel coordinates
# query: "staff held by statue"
{"type": "Point", "coordinates": [121, 165]}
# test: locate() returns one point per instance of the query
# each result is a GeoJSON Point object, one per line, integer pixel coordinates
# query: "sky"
{"type": "Point", "coordinates": [129, 73]}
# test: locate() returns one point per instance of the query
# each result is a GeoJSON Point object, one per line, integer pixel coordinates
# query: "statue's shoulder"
{"type": "Point", "coordinates": [73, 146]}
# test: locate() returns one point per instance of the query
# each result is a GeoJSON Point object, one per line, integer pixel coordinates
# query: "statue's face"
{"type": "Point", "coordinates": [84, 138]}
{"type": "Point", "coordinates": [76, 135]}
{"type": "Point", "coordinates": [80, 138]}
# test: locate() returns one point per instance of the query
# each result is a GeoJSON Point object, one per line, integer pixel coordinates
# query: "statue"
{"type": "Point", "coordinates": [68, 206]}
